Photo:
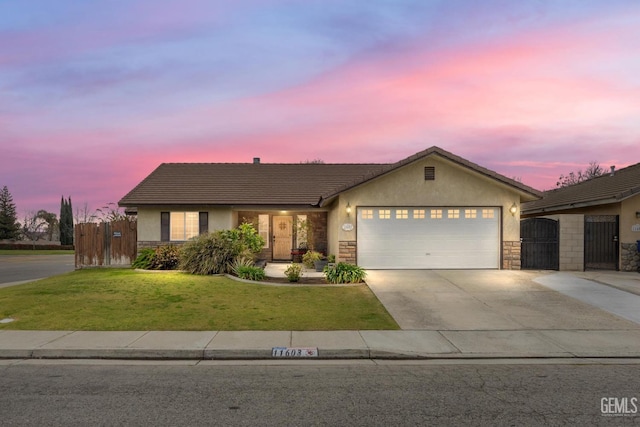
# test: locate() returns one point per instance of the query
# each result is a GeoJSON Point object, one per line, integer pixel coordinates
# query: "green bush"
{"type": "Point", "coordinates": [310, 257]}
{"type": "Point", "coordinates": [343, 272]}
{"type": "Point", "coordinates": [245, 269]}
{"type": "Point", "coordinates": [251, 273]}
{"type": "Point", "coordinates": [294, 272]}
{"type": "Point", "coordinates": [144, 260]}
{"type": "Point", "coordinates": [210, 253]}
{"type": "Point", "coordinates": [215, 253]}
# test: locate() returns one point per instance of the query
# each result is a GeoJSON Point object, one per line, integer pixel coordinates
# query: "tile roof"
{"type": "Point", "coordinates": [605, 189]}
{"type": "Point", "coordinates": [293, 184]}
{"type": "Point", "coordinates": [242, 183]}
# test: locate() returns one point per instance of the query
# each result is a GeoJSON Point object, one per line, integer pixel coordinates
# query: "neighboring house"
{"type": "Point", "coordinates": [597, 222]}
{"type": "Point", "coordinates": [431, 210]}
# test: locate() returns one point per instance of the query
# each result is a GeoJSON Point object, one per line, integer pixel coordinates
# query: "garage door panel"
{"type": "Point", "coordinates": [444, 242]}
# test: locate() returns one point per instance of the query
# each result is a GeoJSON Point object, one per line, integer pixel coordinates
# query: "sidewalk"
{"type": "Point", "coordinates": [602, 341]}
{"type": "Point", "coordinates": [404, 344]}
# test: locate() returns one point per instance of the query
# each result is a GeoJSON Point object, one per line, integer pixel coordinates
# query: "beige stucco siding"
{"type": "Point", "coordinates": [149, 219]}
{"type": "Point", "coordinates": [628, 220]}
{"type": "Point", "coordinates": [453, 186]}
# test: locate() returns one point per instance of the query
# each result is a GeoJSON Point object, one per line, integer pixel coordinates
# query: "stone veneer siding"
{"type": "Point", "coordinates": [511, 255]}
{"type": "Point", "coordinates": [629, 257]}
{"type": "Point", "coordinates": [347, 251]}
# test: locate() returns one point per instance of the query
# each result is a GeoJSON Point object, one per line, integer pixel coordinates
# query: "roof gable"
{"type": "Point", "coordinates": [605, 189]}
{"type": "Point", "coordinates": [528, 192]}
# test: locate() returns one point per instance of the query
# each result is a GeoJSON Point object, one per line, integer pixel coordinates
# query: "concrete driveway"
{"type": "Point", "coordinates": [16, 269]}
{"type": "Point", "coordinates": [458, 300]}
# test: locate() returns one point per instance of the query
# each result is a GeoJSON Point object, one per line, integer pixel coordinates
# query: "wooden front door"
{"type": "Point", "coordinates": [282, 237]}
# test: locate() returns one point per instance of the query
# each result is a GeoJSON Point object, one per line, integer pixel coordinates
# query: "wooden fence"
{"type": "Point", "coordinates": [106, 243]}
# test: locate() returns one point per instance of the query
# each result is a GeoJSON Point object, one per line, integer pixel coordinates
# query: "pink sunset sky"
{"type": "Point", "coordinates": [95, 95]}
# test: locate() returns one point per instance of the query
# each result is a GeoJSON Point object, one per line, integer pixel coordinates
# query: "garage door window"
{"type": "Point", "coordinates": [487, 213]}
{"type": "Point", "coordinates": [402, 214]}
{"type": "Point", "coordinates": [384, 213]}
{"type": "Point", "coordinates": [418, 214]}
{"type": "Point", "coordinates": [436, 213]}
{"type": "Point", "coordinates": [367, 214]}
{"type": "Point", "coordinates": [470, 213]}
{"type": "Point", "coordinates": [453, 214]}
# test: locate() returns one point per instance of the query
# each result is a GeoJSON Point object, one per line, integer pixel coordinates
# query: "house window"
{"type": "Point", "coordinates": [453, 213]}
{"type": "Point", "coordinates": [429, 173]}
{"type": "Point", "coordinates": [470, 213]}
{"type": "Point", "coordinates": [436, 213]}
{"type": "Point", "coordinates": [184, 225]}
{"type": "Point", "coordinates": [402, 213]}
{"type": "Point", "coordinates": [418, 214]}
{"type": "Point", "coordinates": [487, 213]}
{"type": "Point", "coordinates": [384, 214]}
{"type": "Point", "coordinates": [367, 213]}
{"type": "Point", "coordinates": [263, 228]}
{"type": "Point", "coordinates": [301, 231]}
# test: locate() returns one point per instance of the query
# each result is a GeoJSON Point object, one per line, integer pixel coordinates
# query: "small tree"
{"type": "Point", "coordinates": [33, 227]}
{"type": "Point", "coordinates": [9, 227]}
{"type": "Point", "coordinates": [66, 222]}
{"type": "Point", "coordinates": [592, 171]}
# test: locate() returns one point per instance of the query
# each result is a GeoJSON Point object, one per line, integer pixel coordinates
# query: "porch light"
{"type": "Point", "coordinates": [513, 209]}
{"type": "Point", "coordinates": [348, 209]}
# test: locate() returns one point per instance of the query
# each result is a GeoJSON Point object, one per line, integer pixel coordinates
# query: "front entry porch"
{"type": "Point", "coordinates": [288, 234]}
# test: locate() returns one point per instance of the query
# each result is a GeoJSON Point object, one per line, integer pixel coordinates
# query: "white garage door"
{"type": "Point", "coordinates": [429, 237]}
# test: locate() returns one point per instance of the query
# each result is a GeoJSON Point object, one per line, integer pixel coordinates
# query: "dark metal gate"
{"type": "Point", "coordinates": [540, 244]}
{"type": "Point", "coordinates": [601, 246]}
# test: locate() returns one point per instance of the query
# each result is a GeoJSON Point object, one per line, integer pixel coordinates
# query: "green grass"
{"type": "Point", "coordinates": [126, 300]}
{"type": "Point", "coordinates": [35, 252]}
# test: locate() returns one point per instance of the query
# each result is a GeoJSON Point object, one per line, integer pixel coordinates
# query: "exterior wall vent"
{"type": "Point", "coordinates": [429, 173]}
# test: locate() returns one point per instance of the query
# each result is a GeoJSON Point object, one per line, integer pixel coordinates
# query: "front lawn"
{"type": "Point", "coordinates": [127, 300]}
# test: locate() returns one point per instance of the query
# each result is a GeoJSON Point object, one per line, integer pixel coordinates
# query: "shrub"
{"type": "Point", "coordinates": [244, 268]}
{"type": "Point", "coordinates": [144, 260]}
{"type": "Point", "coordinates": [160, 258]}
{"type": "Point", "coordinates": [343, 272]}
{"type": "Point", "coordinates": [250, 273]}
{"type": "Point", "coordinates": [310, 257]}
{"type": "Point", "coordinates": [215, 253]}
{"type": "Point", "coordinates": [210, 253]}
{"type": "Point", "coordinates": [166, 258]}
{"type": "Point", "coordinates": [294, 272]}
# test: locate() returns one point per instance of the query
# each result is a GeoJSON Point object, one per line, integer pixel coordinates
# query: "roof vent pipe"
{"type": "Point", "coordinates": [256, 160]}
{"type": "Point", "coordinates": [613, 170]}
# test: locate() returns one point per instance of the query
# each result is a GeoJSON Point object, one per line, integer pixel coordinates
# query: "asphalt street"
{"type": "Point", "coordinates": [354, 394]}
{"type": "Point", "coordinates": [21, 268]}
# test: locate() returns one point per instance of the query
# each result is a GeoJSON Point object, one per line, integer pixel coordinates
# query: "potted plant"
{"type": "Point", "coordinates": [309, 259]}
